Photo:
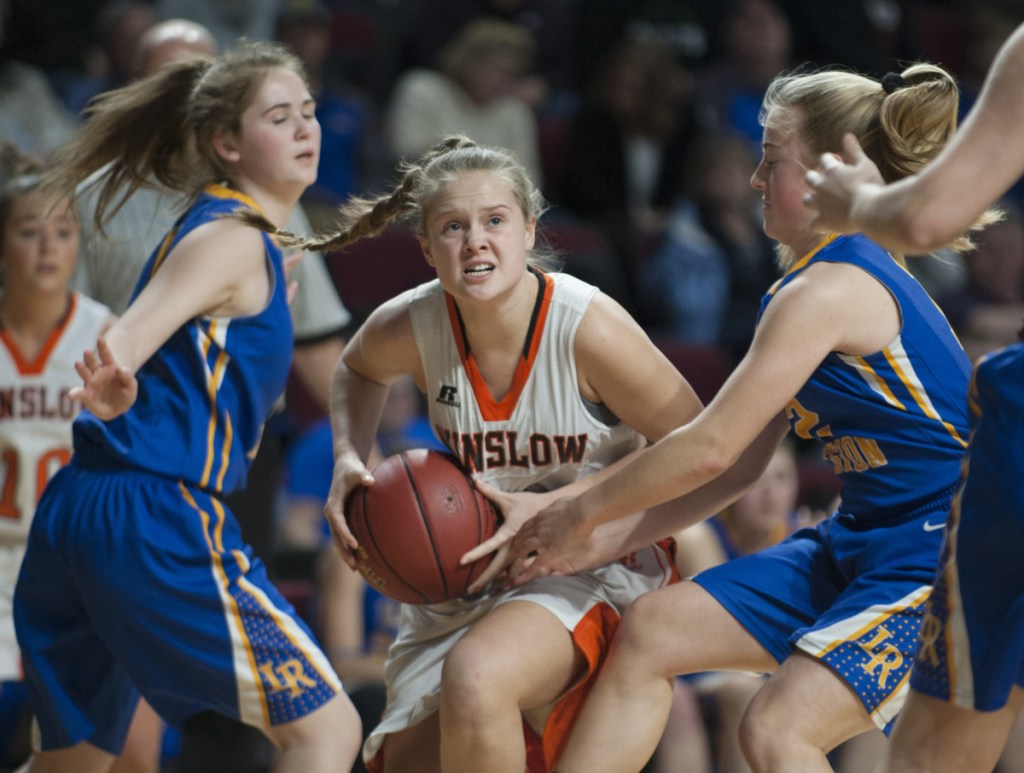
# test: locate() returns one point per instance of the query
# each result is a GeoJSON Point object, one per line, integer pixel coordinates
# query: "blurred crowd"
{"type": "Point", "coordinates": [639, 120]}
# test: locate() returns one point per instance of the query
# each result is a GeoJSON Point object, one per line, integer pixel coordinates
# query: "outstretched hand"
{"type": "Point", "coordinates": [108, 389]}
{"type": "Point", "coordinates": [835, 183]}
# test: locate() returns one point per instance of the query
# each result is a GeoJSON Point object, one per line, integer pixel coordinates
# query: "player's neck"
{"type": "Point", "coordinates": [31, 318]}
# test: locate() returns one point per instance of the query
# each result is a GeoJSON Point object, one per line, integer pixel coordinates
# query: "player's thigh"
{"type": "Point", "coordinates": [935, 735]}
{"type": "Point", "coordinates": [142, 747]}
{"type": "Point", "coordinates": [415, 749]}
{"type": "Point", "coordinates": [335, 723]}
{"type": "Point", "coordinates": [80, 758]}
{"type": "Point", "coordinates": [683, 629]}
{"type": "Point", "coordinates": [520, 649]}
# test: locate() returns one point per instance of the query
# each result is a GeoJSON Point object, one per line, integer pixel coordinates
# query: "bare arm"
{"type": "Point", "coordinates": [194, 280]}
{"type": "Point", "coordinates": [622, 536]}
{"type": "Point", "coordinates": [830, 307]}
{"type": "Point", "coordinates": [927, 211]}
{"type": "Point", "coordinates": [380, 352]}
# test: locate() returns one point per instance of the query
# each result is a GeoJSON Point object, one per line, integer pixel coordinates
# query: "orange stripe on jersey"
{"type": "Point", "coordinates": [36, 366]}
{"type": "Point", "coordinates": [501, 410]}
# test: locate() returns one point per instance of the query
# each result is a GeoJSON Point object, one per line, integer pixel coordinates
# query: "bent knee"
{"type": "Point", "coordinates": [471, 678]}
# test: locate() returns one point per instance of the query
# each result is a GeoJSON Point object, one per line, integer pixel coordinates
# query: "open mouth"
{"type": "Point", "coordinates": [481, 269]}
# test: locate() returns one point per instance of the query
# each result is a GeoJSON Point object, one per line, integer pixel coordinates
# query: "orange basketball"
{"type": "Point", "coordinates": [415, 523]}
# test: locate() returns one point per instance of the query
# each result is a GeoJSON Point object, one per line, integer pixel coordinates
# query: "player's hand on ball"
{"type": "Point", "coordinates": [516, 509]}
{"type": "Point", "coordinates": [349, 473]}
{"type": "Point", "coordinates": [552, 542]}
{"type": "Point", "coordinates": [107, 390]}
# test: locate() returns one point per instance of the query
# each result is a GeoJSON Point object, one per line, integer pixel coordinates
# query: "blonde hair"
{"type": "Point", "coordinates": [409, 202]}
{"type": "Point", "coordinates": [902, 122]}
{"type": "Point", "coordinates": [163, 126]}
{"type": "Point", "coordinates": [19, 174]}
{"type": "Point", "coordinates": [481, 38]}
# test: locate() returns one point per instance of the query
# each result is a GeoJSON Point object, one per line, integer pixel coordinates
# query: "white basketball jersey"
{"type": "Point", "coordinates": [542, 434]}
{"type": "Point", "coordinates": [35, 440]}
{"type": "Point", "coordinates": [36, 413]}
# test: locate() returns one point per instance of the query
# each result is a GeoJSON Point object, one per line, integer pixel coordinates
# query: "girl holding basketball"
{"type": "Point", "coordinates": [136, 579]}
{"type": "Point", "coordinates": [852, 353]}
{"type": "Point", "coordinates": [534, 380]}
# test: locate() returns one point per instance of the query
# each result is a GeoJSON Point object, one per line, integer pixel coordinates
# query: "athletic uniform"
{"type": "Point", "coordinates": [35, 441]}
{"type": "Point", "coordinates": [136, 575]}
{"type": "Point", "coordinates": [851, 591]}
{"type": "Point", "coordinates": [540, 436]}
{"type": "Point", "coordinates": [972, 641]}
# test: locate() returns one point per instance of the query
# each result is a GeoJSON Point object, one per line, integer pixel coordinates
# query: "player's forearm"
{"type": "Point", "coordinates": [356, 407]}
{"type": "Point", "coordinates": [676, 465]}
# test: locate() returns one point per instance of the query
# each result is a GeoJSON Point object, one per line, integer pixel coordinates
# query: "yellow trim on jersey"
{"type": "Point", "coordinates": [882, 387]}
{"type": "Point", "coordinates": [803, 261]}
{"type": "Point", "coordinates": [917, 391]}
{"type": "Point", "coordinates": [216, 546]}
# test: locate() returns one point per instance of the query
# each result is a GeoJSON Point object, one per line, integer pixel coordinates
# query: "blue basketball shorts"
{"type": "Point", "coordinates": [132, 582]}
{"type": "Point", "coordinates": [850, 597]}
{"type": "Point", "coordinates": [972, 640]}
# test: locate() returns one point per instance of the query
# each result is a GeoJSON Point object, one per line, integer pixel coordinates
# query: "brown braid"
{"type": "Point", "coordinates": [366, 217]}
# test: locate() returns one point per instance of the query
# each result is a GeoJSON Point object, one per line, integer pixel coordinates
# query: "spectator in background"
{"type": "Point", "coordinates": [987, 313]}
{"type": "Point", "coordinates": [32, 117]}
{"type": "Point", "coordinates": [305, 27]}
{"type": "Point", "coordinates": [753, 44]}
{"type": "Point", "coordinates": [626, 149]}
{"type": "Point", "coordinates": [483, 88]}
{"type": "Point", "coordinates": [553, 24]}
{"type": "Point", "coordinates": [705, 280]}
{"type": "Point", "coordinates": [988, 26]}
{"type": "Point", "coordinates": [111, 60]}
{"type": "Point", "coordinates": [227, 20]}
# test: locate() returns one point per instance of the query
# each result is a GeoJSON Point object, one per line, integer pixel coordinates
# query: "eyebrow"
{"type": "Point", "coordinates": [286, 105]}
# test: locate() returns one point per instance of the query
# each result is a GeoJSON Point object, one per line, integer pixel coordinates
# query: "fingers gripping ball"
{"type": "Point", "coordinates": [420, 516]}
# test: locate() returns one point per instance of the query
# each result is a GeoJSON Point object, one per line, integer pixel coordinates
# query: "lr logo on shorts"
{"type": "Point", "coordinates": [289, 675]}
{"type": "Point", "coordinates": [883, 657]}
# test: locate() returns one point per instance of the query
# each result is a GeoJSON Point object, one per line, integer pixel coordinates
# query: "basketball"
{"type": "Point", "coordinates": [415, 523]}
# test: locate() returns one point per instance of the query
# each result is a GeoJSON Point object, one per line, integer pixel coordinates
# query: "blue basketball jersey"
{"type": "Point", "coordinates": [205, 436]}
{"type": "Point", "coordinates": [893, 424]}
{"type": "Point", "coordinates": [972, 640]}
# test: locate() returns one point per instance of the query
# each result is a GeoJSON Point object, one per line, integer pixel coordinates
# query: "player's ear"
{"type": "Point", "coordinates": [224, 145]}
{"type": "Point", "coordinates": [531, 232]}
{"type": "Point", "coordinates": [425, 248]}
